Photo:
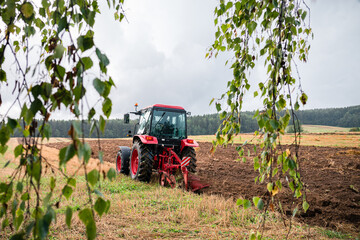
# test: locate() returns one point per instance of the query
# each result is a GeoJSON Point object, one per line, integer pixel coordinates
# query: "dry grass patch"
{"type": "Point", "coordinates": [51, 156]}
{"type": "Point", "coordinates": [148, 211]}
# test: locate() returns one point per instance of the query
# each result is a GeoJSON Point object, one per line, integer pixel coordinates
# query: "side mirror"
{"type": "Point", "coordinates": [126, 118]}
{"type": "Point", "coordinates": [188, 113]}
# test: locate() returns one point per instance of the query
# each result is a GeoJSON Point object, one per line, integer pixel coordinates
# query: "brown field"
{"type": "Point", "coordinates": [330, 169]}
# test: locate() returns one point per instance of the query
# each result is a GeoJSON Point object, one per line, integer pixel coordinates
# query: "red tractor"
{"type": "Point", "coordinates": [160, 144]}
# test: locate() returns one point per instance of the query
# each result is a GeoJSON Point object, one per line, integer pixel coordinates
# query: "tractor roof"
{"type": "Point", "coordinates": [165, 106]}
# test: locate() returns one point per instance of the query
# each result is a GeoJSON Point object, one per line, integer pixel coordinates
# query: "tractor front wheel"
{"type": "Point", "coordinates": [141, 162]}
{"type": "Point", "coordinates": [190, 152]}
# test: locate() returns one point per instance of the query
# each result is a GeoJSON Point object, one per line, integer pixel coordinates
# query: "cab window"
{"type": "Point", "coordinates": [168, 124]}
{"type": "Point", "coordinates": [144, 123]}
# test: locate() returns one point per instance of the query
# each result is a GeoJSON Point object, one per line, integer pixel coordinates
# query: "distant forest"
{"type": "Point", "coordinates": [337, 117]}
{"type": "Point", "coordinates": [208, 124]}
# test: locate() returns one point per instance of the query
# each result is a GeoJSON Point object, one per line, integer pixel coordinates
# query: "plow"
{"type": "Point", "coordinates": [174, 173]}
{"type": "Point", "coordinates": [160, 144]}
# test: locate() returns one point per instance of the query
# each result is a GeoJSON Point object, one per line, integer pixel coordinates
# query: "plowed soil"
{"type": "Point", "coordinates": [331, 174]}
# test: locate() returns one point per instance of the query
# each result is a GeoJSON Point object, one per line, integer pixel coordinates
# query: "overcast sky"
{"type": "Point", "coordinates": [158, 56]}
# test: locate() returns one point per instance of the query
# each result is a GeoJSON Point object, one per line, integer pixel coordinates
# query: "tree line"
{"type": "Point", "coordinates": [337, 117]}
{"type": "Point", "coordinates": [208, 124]}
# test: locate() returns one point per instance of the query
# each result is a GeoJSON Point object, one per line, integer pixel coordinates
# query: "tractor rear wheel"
{"type": "Point", "coordinates": [123, 160]}
{"type": "Point", "coordinates": [190, 152]}
{"type": "Point", "coordinates": [141, 162]}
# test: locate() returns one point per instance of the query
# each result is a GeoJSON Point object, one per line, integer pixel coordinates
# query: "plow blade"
{"type": "Point", "coordinates": [195, 183]}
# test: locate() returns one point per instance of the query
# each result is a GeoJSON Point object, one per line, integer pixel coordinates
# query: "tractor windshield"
{"type": "Point", "coordinates": [168, 124]}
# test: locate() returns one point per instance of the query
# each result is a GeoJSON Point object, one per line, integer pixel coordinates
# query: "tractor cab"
{"type": "Point", "coordinates": [164, 122]}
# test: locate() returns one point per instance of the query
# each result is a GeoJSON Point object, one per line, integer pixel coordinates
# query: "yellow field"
{"type": "Point", "coordinates": [324, 140]}
{"type": "Point", "coordinates": [323, 129]}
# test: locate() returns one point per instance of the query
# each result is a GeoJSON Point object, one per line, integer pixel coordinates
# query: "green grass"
{"type": "Point", "coordinates": [123, 186]}
{"type": "Point", "coordinates": [334, 234]}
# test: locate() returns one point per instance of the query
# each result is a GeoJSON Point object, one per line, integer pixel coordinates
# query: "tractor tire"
{"type": "Point", "coordinates": [190, 152]}
{"type": "Point", "coordinates": [141, 162]}
{"type": "Point", "coordinates": [123, 160]}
